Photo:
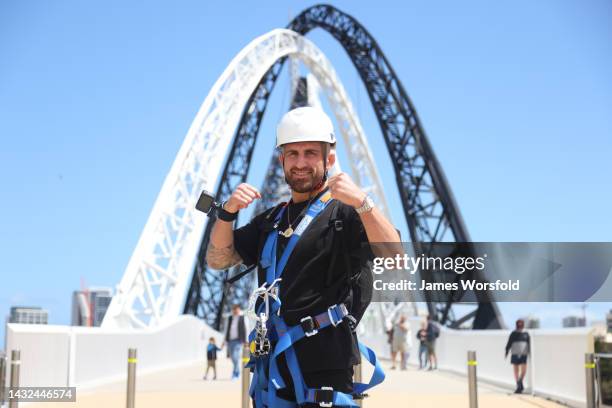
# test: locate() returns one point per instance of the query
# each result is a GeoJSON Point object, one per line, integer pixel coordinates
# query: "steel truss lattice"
{"type": "Point", "coordinates": [156, 282]}
{"type": "Point", "coordinates": [167, 269]}
{"type": "Point", "coordinates": [430, 209]}
{"type": "Point", "coordinates": [212, 299]}
{"type": "Point", "coordinates": [208, 293]}
{"type": "Point", "coordinates": [429, 206]}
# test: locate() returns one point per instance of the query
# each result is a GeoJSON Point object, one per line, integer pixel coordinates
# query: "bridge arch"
{"type": "Point", "coordinates": [429, 207]}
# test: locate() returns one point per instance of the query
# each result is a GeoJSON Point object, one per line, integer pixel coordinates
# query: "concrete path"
{"type": "Point", "coordinates": [184, 387]}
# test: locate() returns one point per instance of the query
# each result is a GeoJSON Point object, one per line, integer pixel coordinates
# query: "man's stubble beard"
{"type": "Point", "coordinates": [303, 185]}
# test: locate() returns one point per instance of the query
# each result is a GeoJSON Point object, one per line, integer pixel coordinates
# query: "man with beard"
{"type": "Point", "coordinates": [324, 286]}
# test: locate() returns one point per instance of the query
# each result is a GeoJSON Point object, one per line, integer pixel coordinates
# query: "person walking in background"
{"type": "Point", "coordinates": [211, 358]}
{"type": "Point", "coordinates": [422, 337]}
{"type": "Point", "coordinates": [390, 338]}
{"type": "Point", "coordinates": [235, 337]}
{"type": "Point", "coordinates": [432, 334]}
{"type": "Point", "coordinates": [407, 345]}
{"type": "Point", "coordinates": [518, 345]}
{"type": "Point", "coordinates": [400, 335]}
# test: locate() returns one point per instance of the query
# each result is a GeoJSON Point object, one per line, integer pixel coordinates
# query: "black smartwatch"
{"type": "Point", "coordinates": [226, 215]}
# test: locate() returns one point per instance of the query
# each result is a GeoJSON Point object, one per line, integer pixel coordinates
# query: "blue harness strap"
{"type": "Point", "coordinates": [275, 270]}
{"type": "Point", "coordinates": [267, 379]}
{"type": "Point", "coordinates": [290, 336]}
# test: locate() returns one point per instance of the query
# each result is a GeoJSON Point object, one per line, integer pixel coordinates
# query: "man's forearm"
{"type": "Point", "coordinates": [221, 253]}
{"type": "Point", "coordinates": [378, 228]}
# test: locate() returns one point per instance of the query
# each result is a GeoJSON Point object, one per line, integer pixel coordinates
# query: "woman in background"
{"type": "Point", "coordinates": [519, 345]}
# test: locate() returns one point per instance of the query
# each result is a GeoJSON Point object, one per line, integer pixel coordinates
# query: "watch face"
{"type": "Point", "coordinates": [369, 202]}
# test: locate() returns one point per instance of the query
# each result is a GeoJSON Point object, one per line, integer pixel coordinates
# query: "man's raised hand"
{"type": "Point", "coordinates": [241, 198]}
{"type": "Point", "coordinates": [343, 189]}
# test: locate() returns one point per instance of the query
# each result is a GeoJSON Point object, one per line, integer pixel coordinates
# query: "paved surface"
{"type": "Point", "coordinates": [184, 387]}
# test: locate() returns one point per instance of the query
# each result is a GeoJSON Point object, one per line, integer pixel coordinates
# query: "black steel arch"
{"type": "Point", "coordinates": [429, 207]}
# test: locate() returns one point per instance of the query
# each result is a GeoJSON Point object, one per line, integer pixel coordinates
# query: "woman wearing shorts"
{"type": "Point", "coordinates": [518, 346]}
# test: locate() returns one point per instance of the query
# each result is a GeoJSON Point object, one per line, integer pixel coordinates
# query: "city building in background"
{"type": "Point", "coordinates": [603, 332]}
{"type": "Point", "coordinates": [89, 306]}
{"type": "Point", "coordinates": [28, 315]}
{"type": "Point", "coordinates": [574, 321]}
{"type": "Point", "coordinates": [609, 321]}
{"type": "Point", "coordinates": [599, 330]}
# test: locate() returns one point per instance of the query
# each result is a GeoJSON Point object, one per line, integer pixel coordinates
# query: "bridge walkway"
{"type": "Point", "coordinates": [184, 387]}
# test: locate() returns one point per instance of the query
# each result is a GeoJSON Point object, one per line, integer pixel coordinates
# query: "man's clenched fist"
{"type": "Point", "coordinates": [241, 198]}
{"type": "Point", "coordinates": [343, 189]}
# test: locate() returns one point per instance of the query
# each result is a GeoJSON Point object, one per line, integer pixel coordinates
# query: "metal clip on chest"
{"type": "Point", "coordinates": [261, 341]}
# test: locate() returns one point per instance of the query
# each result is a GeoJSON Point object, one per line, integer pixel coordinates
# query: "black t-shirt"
{"type": "Point", "coordinates": [309, 286]}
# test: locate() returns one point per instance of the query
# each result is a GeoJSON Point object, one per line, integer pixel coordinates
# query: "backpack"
{"type": "Point", "coordinates": [435, 331]}
{"type": "Point", "coordinates": [357, 300]}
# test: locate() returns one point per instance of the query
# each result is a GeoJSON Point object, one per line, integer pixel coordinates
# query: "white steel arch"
{"type": "Point", "coordinates": [153, 287]}
{"type": "Point", "coordinates": [360, 157]}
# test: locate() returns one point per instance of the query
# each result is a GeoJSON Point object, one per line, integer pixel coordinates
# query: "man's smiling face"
{"type": "Point", "coordinates": [303, 165]}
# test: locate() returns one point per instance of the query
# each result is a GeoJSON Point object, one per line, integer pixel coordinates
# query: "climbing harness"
{"type": "Point", "coordinates": [260, 345]}
{"type": "Point", "coordinates": [273, 337]}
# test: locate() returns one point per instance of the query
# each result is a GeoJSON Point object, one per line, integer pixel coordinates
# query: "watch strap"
{"type": "Point", "coordinates": [366, 205]}
{"type": "Point", "coordinates": [224, 215]}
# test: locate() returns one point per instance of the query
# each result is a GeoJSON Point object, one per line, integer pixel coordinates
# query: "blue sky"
{"type": "Point", "coordinates": [96, 98]}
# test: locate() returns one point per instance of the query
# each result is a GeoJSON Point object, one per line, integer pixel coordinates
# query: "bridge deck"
{"type": "Point", "coordinates": [184, 387]}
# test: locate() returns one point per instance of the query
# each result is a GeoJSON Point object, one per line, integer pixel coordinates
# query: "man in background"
{"type": "Point", "coordinates": [433, 331]}
{"type": "Point", "coordinates": [422, 337]}
{"type": "Point", "coordinates": [235, 337]}
{"type": "Point", "coordinates": [401, 335]}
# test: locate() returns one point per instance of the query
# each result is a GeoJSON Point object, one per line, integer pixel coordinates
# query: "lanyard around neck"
{"type": "Point", "coordinates": [274, 270]}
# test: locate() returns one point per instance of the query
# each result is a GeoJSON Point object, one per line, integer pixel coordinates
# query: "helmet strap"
{"type": "Point", "coordinates": [324, 179]}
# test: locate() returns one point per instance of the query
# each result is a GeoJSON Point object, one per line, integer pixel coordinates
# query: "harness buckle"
{"type": "Point", "coordinates": [360, 396]}
{"type": "Point", "coordinates": [324, 397]}
{"type": "Point", "coordinates": [261, 343]}
{"type": "Point", "coordinates": [330, 313]}
{"type": "Point", "coordinates": [352, 322]}
{"type": "Point", "coordinates": [261, 347]}
{"type": "Point", "coordinates": [309, 325]}
{"type": "Point", "coordinates": [338, 225]}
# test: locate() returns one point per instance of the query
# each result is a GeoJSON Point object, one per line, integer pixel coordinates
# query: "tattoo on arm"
{"type": "Point", "coordinates": [222, 258]}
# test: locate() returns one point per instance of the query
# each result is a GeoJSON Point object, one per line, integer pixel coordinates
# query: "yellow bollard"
{"type": "Point", "coordinates": [131, 381]}
{"type": "Point", "coordinates": [246, 378]}
{"type": "Point", "coordinates": [2, 377]}
{"type": "Point", "coordinates": [15, 365]}
{"type": "Point", "coordinates": [589, 365]}
{"type": "Point", "coordinates": [472, 381]}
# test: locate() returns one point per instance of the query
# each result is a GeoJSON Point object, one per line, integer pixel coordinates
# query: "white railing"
{"type": "Point", "coordinates": [555, 368]}
{"type": "Point", "coordinates": [85, 357]}
{"type": "Point", "coordinates": [88, 356]}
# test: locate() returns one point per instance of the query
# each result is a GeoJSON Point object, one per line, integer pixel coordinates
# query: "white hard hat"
{"type": "Point", "coordinates": [305, 124]}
